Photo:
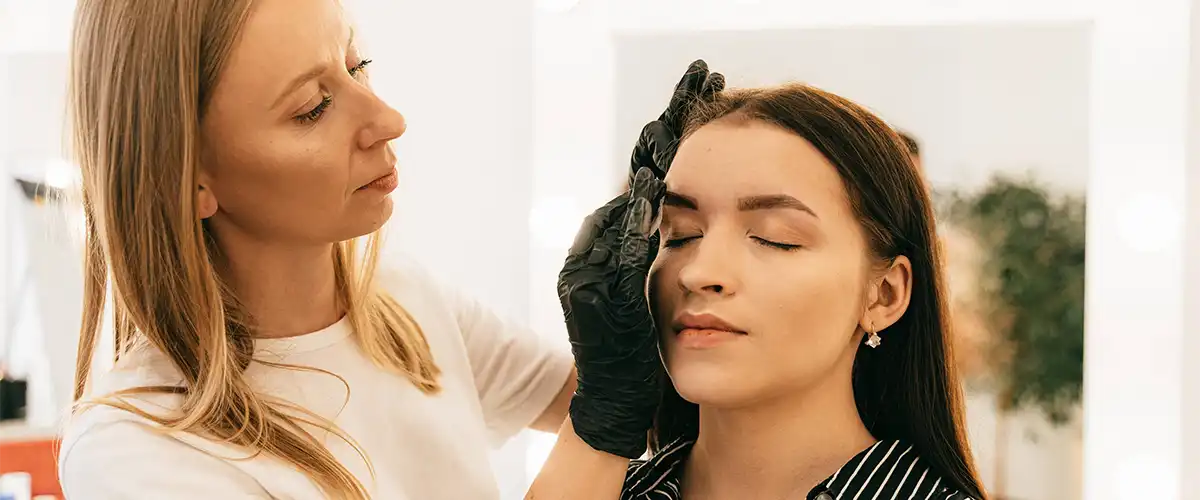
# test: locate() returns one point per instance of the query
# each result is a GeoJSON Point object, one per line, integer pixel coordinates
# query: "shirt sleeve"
{"type": "Point", "coordinates": [517, 371]}
{"type": "Point", "coordinates": [127, 459]}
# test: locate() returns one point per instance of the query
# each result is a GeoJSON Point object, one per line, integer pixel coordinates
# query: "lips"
{"type": "Point", "coordinates": [386, 182]}
{"type": "Point", "coordinates": [704, 322]}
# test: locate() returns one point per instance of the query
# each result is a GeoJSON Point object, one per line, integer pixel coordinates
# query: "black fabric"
{"type": "Point", "coordinates": [13, 394]}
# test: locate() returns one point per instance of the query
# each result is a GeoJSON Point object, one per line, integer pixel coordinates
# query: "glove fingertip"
{"type": "Point", "coordinates": [718, 81]}
{"type": "Point", "coordinates": [659, 189]}
{"type": "Point", "coordinates": [642, 186]}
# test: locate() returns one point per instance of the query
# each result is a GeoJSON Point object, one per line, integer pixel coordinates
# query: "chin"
{"type": "Point", "coordinates": [713, 384]}
{"type": "Point", "coordinates": [368, 220]}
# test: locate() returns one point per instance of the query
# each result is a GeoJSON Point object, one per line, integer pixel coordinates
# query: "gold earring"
{"type": "Point", "coordinates": [874, 340]}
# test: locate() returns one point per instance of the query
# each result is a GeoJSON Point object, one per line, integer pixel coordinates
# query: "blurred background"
{"type": "Point", "coordinates": [1026, 116]}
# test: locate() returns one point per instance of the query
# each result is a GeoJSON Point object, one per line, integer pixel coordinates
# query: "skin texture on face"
{"type": "Point", "coordinates": [283, 159]}
{"type": "Point", "coordinates": [758, 231]}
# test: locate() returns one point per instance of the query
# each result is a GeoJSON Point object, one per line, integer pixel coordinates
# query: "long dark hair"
{"type": "Point", "coordinates": [907, 389]}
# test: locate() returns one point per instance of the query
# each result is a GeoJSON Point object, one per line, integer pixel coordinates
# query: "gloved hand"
{"type": "Point", "coordinates": [602, 288]}
{"type": "Point", "coordinates": [659, 140]}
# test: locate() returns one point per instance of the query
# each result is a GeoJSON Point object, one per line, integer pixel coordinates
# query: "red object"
{"type": "Point", "coordinates": [38, 458]}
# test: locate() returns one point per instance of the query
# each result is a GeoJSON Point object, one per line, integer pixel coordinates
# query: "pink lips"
{"type": "Point", "coordinates": [386, 183]}
{"type": "Point", "coordinates": [702, 331]}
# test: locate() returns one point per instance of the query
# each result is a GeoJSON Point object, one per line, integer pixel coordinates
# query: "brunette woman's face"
{"type": "Point", "coordinates": [763, 285]}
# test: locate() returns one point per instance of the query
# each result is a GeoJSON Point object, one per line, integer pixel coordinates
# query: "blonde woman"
{"type": "Point", "coordinates": [232, 157]}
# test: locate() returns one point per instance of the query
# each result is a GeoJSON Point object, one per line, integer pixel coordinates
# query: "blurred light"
{"type": "Point", "coordinates": [1147, 476]}
{"type": "Point", "coordinates": [61, 174]}
{"type": "Point", "coordinates": [36, 26]}
{"type": "Point", "coordinates": [554, 221]}
{"type": "Point", "coordinates": [1150, 223]}
{"type": "Point", "coordinates": [540, 444]}
{"type": "Point", "coordinates": [557, 6]}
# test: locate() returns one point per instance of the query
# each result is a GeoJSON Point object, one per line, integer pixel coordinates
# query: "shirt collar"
{"type": "Point", "coordinates": [871, 467]}
{"type": "Point", "coordinates": [665, 467]}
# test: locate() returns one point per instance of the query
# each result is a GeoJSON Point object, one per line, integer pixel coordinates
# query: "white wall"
{"type": "Point", "coordinates": [981, 98]}
{"type": "Point", "coordinates": [1043, 461]}
{"type": "Point", "coordinates": [5, 336]}
{"type": "Point", "coordinates": [37, 82]}
{"type": "Point", "coordinates": [35, 25]}
{"type": "Point", "coordinates": [1134, 386]}
{"type": "Point", "coordinates": [1190, 445]}
{"type": "Point", "coordinates": [42, 348]}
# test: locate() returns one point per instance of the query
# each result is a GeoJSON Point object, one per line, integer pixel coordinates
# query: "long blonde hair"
{"type": "Point", "coordinates": [142, 72]}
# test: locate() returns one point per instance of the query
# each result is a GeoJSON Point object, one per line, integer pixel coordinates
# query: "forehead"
{"type": "Point", "coordinates": [280, 40]}
{"type": "Point", "coordinates": [726, 159]}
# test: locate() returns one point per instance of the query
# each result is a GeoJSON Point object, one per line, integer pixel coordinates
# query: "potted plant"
{"type": "Point", "coordinates": [1018, 314]}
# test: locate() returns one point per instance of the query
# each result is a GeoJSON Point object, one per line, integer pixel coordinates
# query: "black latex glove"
{"type": "Point", "coordinates": [602, 288]}
{"type": "Point", "coordinates": [659, 140]}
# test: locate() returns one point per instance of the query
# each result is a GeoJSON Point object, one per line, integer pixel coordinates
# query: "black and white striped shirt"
{"type": "Point", "coordinates": [888, 470]}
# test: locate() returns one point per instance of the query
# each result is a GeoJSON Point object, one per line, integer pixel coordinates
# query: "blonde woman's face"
{"type": "Point", "coordinates": [295, 142]}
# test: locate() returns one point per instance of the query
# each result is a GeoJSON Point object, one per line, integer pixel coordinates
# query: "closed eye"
{"type": "Point", "coordinates": [773, 244]}
{"type": "Point", "coordinates": [312, 115]}
{"type": "Point", "coordinates": [678, 242]}
{"type": "Point", "coordinates": [315, 113]}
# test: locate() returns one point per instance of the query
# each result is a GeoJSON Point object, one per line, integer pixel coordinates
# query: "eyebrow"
{"type": "Point", "coordinates": [306, 77]}
{"type": "Point", "coordinates": [673, 199]}
{"type": "Point", "coordinates": [745, 204]}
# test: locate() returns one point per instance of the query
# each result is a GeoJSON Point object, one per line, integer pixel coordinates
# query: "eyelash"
{"type": "Point", "coordinates": [359, 67]}
{"type": "Point", "coordinates": [314, 114]}
{"type": "Point", "coordinates": [679, 242]}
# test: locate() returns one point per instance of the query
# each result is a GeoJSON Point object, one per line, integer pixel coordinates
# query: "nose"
{"type": "Point", "coordinates": [710, 270]}
{"type": "Point", "coordinates": [384, 125]}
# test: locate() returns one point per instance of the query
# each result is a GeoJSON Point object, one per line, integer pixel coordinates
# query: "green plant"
{"type": "Point", "coordinates": [1033, 276]}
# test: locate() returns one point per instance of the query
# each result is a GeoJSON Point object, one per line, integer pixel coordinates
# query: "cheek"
{"type": "Point", "coordinates": [812, 304]}
{"type": "Point", "coordinates": [661, 290]}
{"type": "Point", "coordinates": [293, 187]}
{"type": "Point", "coordinates": [302, 174]}
{"type": "Point", "coordinates": [809, 317]}
{"type": "Point", "coordinates": [654, 292]}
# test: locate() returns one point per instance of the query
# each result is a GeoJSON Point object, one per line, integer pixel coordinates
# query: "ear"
{"type": "Point", "coordinates": [206, 200]}
{"type": "Point", "coordinates": [888, 297]}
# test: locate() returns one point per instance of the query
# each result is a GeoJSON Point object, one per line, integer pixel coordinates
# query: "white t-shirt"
{"type": "Point", "coordinates": [496, 379]}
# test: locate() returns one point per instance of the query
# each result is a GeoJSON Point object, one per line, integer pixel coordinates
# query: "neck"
{"type": "Point", "coordinates": [779, 448]}
{"type": "Point", "coordinates": [288, 290]}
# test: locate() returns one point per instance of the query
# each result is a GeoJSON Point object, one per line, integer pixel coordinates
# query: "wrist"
{"type": "Point", "coordinates": [614, 427]}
